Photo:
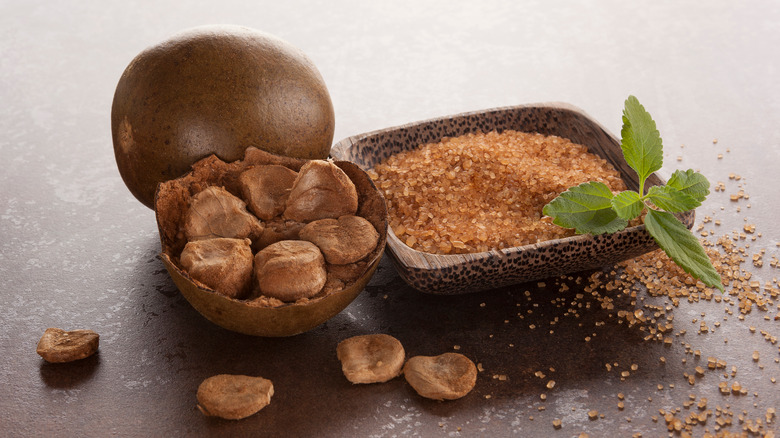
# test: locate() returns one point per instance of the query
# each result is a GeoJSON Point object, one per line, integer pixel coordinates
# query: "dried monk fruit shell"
{"type": "Point", "coordinates": [371, 358]}
{"type": "Point", "coordinates": [343, 240]}
{"type": "Point", "coordinates": [57, 345]}
{"type": "Point", "coordinates": [322, 190]}
{"type": "Point", "coordinates": [266, 189]}
{"type": "Point", "coordinates": [290, 270]}
{"type": "Point", "coordinates": [255, 313]}
{"type": "Point", "coordinates": [448, 376]}
{"type": "Point", "coordinates": [234, 397]}
{"type": "Point", "coordinates": [222, 264]}
{"type": "Point", "coordinates": [215, 212]}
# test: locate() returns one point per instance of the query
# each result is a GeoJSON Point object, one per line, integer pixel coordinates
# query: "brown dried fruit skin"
{"type": "Point", "coordinates": [266, 189]}
{"type": "Point", "coordinates": [343, 240]}
{"type": "Point", "coordinates": [215, 212]}
{"type": "Point", "coordinates": [448, 376]}
{"type": "Point", "coordinates": [290, 270]}
{"type": "Point", "coordinates": [322, 190]}
{"type": "Point", "coordinates": [216, 89]}
{"type": "Point", "coordinates": [234, 397]}
{"type": "Point", "coordinates": [222, 264]}
{"type": "Point", "coordinates": [371, 358]}
{"type": "Point", "coordinates": [57, 345]}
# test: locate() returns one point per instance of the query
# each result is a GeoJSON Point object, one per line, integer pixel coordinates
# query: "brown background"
{"type": "Point", "coordinates": [78, 251]}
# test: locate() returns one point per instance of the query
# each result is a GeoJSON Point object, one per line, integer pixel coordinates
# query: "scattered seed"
{"type": "Point", "coordinates": [233, 397]}
{"type": "Point", "coordinates": [58, 346]}
{"type": "Point", "coordinates": [445, 377]}
{"type": "Point", "coordinates": [371, 358]}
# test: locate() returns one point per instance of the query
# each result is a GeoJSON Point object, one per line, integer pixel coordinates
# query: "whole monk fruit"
{"type": "Point", "coordinates": [216, 90]}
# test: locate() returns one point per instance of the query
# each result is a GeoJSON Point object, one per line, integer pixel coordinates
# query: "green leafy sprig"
{"type": "Point", "coordinates": [592, 207]}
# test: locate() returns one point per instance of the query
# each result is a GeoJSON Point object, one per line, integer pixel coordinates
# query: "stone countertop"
{"type": "Point", "coordinates": [78, 251]}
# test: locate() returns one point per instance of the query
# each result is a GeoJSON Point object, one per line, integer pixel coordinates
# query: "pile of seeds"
{"type": "Point", "coordinates": [479, 192]}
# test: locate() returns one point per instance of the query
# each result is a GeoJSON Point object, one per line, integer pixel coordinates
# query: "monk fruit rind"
{"type": "Point", "coordinates": [222, 264]}
{"type": "Point", "coordinates": [216, 90]}
{"type": "Point", "coordinates": [234, 397]}
{"type": "Point", "coordinates": [372, 358]}
{"type": "Point", "coordinates": [58, 346]}
{"type": "Point", "coordinates": [448, 376]}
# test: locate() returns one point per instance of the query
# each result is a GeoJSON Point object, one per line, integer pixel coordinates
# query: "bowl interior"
{"type": "Point", "coordinates": [461, 273]}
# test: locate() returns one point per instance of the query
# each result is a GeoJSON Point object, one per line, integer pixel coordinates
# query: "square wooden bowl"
{"type": "Point", "coordinates": [463, 273]}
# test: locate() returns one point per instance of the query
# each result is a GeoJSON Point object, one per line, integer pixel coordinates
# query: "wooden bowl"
{"type": "Point", "coordinates": [462, 273]}
{"type": "Point", "coordinates": [256, 317]}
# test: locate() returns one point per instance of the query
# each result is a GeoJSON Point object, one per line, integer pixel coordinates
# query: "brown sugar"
{"type": "Point", "coordinates": [479, 192]}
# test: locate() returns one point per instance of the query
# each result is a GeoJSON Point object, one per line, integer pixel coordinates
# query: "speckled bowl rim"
{"type": "Point", "coordinates": [463, 273]}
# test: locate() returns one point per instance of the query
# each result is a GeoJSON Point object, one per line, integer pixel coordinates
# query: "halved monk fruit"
{"type": "Point", "coordinates": [322, 190]}
{"type": "Point", "coordinates": [255, 312]}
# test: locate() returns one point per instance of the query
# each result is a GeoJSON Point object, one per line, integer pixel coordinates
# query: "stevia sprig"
{"type": "Point", "coordinates": [592, 207]}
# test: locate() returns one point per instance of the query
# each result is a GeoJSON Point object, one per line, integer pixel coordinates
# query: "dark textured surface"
{"type": "Point", "coordinates": [78, 251]}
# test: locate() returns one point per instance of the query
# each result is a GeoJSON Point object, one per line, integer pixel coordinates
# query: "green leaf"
{"type": "Point", "coordinates": [671, 199]}
{"type": "Point", "coordinates": [587, 208]}
{"type": "Point", "coordinates": [628, 204]}
{"type": "Point", "coordinates": [691, 183]}
{"type": "Point", "coordinates": [641, 141]}
{"type": "Point", "coordinates": [682, 246]}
